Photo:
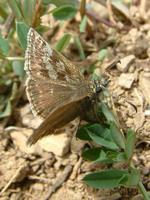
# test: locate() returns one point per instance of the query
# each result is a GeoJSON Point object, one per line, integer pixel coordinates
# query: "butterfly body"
{"type": "Point", "coordinates": [56, 89]}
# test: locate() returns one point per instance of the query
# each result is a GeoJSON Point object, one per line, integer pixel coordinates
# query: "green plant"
{"type": "Point", "coordinates": [111, 148]}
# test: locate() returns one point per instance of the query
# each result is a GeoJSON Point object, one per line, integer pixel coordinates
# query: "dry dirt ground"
{"type": "Point", "coordinates": [36, 173]}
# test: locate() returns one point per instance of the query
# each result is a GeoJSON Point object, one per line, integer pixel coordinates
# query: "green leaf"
{"type": "Point", "coordinates": [63, 42]}
{"type": "Point", "coordinates": [4, 46]}
{"type": "Point", "coordinates": [3, 13]}
{"type": "Point", "coordinates": [98, 134]}
{"type": "Point", "coordinates": [121, 157]}
{"type": "Point", "coordinates": [97, 128]}
{"type": "Point", "coordinates": [82, 133]}
{"type": "Point", "coordinates": [133, 178]}
{"type": "Point", "coordinates": [18, 68]}
{"type": "Point", "coordinates": [61, 2]}
{"type": "Point", "coordinates": [109, 157]}
{"type": "Point", "coordinates": [117, 135]}
{"type": "Point", "coordinates": [98, 139]}
{"type": "Point", "coordinates": [64, 12]}
{"type": "Point", "coordinates": [106, 179]}
{"type": "Point", "coordinates": [101, 136]}
{"type": "Point", "coordinates": [7, 111]}
{"type": "Point", "coordinates": [22, 30]}
{"type": "Point", "coordinates": [28, 8]}
{"type": "Point", "coordinates": [130, 144]}
{"type": "Point", "coordinates": [14, 5]}
{"type": "Point", "coordinates": [79, 46]}
{"type": "Point", "coordinates": [83, 24]}
{"type": "Point", "coordinates": [102, 54]}
{"type": "Point", "coordinates": [91, 154]}
{"type": "Point", "coordinates": [101, 155]}
{"type": "Point", "coordinates": [107, 113]}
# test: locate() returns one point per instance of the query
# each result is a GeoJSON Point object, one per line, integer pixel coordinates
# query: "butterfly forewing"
{"type": "Point", "coordinates": [53, 81]}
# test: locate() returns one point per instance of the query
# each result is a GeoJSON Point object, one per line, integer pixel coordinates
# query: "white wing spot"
{"type": "Point", "coordinates": [62, 64]}
{"type": "Point", "coordinates": [49, 50]}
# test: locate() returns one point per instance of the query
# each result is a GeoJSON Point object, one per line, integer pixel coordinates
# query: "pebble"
{"type": "Point", "coordinates": [20, 136]}
{"type": "Point", "coordinates": [126, 80]}
{"type": "Point", "coordinates": [144, 83]}
{"type": "Point", "coordinates": [58, 144]}
{"type": "Point", "coordinates": [114, 196]}
{"type": "Point", "coordinates": [38, 186]}
{"type": "Point", "coordinates": [35, 168]}
{"type": "Point", "coordinates": [145, 170]}
{"type": "Point", "coordinates": [125, 63]}
{"type": "Point", "coordinates": [137, 197]}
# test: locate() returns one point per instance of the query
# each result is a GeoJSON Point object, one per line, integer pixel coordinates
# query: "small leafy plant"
{"type": "Point", "coordinates": [111, 148]}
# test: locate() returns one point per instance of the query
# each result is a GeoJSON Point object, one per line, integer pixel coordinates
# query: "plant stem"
{"type": "Point", "coordinates": [143, 191]}
{"type": "Point", "coordinates": [14, 58]}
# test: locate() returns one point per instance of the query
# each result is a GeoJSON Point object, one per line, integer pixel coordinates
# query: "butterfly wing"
{"type": "Point", "coordinates": [52, 81]}
{"type": "Point", "coordinates": [56, 120]}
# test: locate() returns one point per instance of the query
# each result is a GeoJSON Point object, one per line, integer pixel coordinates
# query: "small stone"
{"type": "Point", "coordinates": [144, 83]}
{"type": "Point", "coordinates": [65, 161]}
{"type": "Point", "coordinates": [126, 80]}
{"type": "Point", "coordinates": [66, 194]}
{"type": "Point", "coordinates": [38, 186]}
{"type": "Point", "coordinates": [115, 196]}
{"type": "Point", "coordinates": [137, 197]}
{"type": "Point", "coordinates": [20, 136]}
{"type": "Point", "coordinates": [58, 144]}
{"type": "Point", "coordinates": [125, 63]}
{"type": "Point", "coordinates": [145, 170]}
{"type": "Point", "coordinates": [35, 168]}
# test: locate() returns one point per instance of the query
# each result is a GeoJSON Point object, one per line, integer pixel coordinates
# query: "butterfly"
{"type": "Point", "coordinates": [55, 87]}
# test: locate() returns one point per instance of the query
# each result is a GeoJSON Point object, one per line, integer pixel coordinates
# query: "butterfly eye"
{"type": "Point", "coordinates": [98, 89]}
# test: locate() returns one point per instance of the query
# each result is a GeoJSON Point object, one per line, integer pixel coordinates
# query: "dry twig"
{"type": "Point", "coordinates": [59, 181]}
{"type": "Point", "coordinates": [76, 168]}
{"type": "Point", "coordinates": [12, 179]}
{"type": "Point", "coordinates": [40, 179]}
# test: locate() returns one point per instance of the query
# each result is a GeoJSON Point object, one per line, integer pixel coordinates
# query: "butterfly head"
{"type": "Point", "coordinates": [99, 86]}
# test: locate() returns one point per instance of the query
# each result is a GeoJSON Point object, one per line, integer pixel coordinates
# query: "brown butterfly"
{"type": "Point", "coordinates": [56, 89]}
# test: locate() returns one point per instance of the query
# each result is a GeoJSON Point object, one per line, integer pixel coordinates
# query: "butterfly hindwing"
{"type": "Point", "coordinates": [56, 120]}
